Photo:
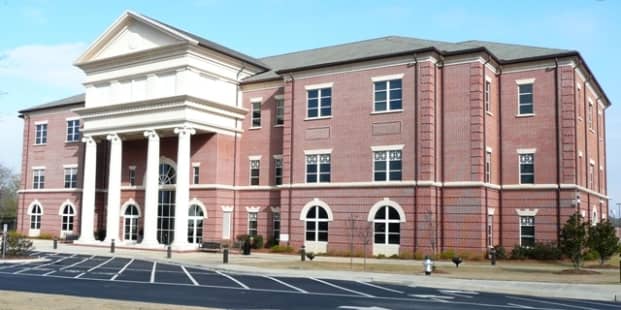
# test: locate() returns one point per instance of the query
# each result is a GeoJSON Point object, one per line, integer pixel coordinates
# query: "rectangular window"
{"type": "Point", "coordinates": [278, 171]}
{"type": "Point", "coordinates": [40, 133]}
{"type": "Point", "coordinates": [488, 105]}
{"type": "Point", "coordinates": [226, 225]}
{"type": "Point", "coordinates": [318, 168]}
{"type": "Point", "coordinates": [319, 102]}
{"type": "Point", "coordinates": [387, 166]}
{"type": "Point", "coordinates": [590, 116]}
{"type": "Point", "coordinates": [276, 227]}
{"type": "Point", "coordinates": [387, 95]}
{"type": "Point", "coordinates": [526, 98]}
{"type": "Point", "coordinates": [578, 101]}
{"type": "Point", "coordinates": [527, 231]}
{"type": "Point", "coordinates": [73, 130]}
{"type": "Point", "coordinates": [196, 175]}
{"type": "Point", "coordinates": [252, 224]}
{"type": "Point", "coordinates": [527, 168]}
{"type": "Point", "coordinates": [490, 231]}
{"type": "Point", "coordinates": [591, 168]}
{"type": "Point", "coordinates": [71, 177]}
{"type": "Point", "coordinates": [256, 114]}
{"type": "Point", "coordinates": [280, 112]}
{"type": "Point", "coordinates": [38, 178]}
{"type": "Point", "coordinates": [254, 172]}
{"type": "Point", "coordinates": [488, 167]}
{"type": "Point", "coordinates": [132, 176]}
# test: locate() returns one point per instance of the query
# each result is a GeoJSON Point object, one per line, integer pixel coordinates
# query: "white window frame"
{"type": "Point", "coordinates": [196, 237]}
{"type": "Point", "coordinates": [521, 152]}
{"type": "Point", "coordinates": [41, 133]}
{"type": "Point", "coordinates": [590, 115]}
{"type": "Point", "coordinates": [387, 79]}
{"type": "Point", "coordinates": [533, 225]}
{"type": "Point", "coordinates": [277, 163]}
{"type": "Point", "coordinates": [132, 175]}
{"type": "Point", "coordinates": [253, 217]}
{"type": "Point", "coordinates": [276, 231]}
{"type": "Point", "coordinates": [319, 88]}
{"type": "Point", "coordinates": [227, 222]}
{"type": "Point", "coordinates": [38, 177]}
{"type": "Point", "coordinates": [487, 95]}
{"type": "Point", "coordinates": [74, 136]}
{"type": "Point", "coordinates": [253, 110]}
{"type": "Point", "coordinates": [131, 218]}
{"type": "Point", "coordinates": [519, 102]}
{"type": "Point", "coordinates": [251, 161]}
{"type": "Point", "coordinates": [591, 174]}
{"type": "Point", "coordinates": [196, 171]}
{"type": "Point", "coordinates": [387, 221]}
{"type": "Point", "coordinates": [318, 154]}
{"type": "Point", "coordinates": [72, 172]}
{"type": "Point", "coordinates": [279, 119]}
{"type": "Point", "coordinates": [68, 217]}
{"type": "Point", "coordinates": [388, 151]}
{"type": "Point", "coordinates": [488, 166]}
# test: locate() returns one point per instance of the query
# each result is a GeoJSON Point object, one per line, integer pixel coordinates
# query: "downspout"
{"type": "Point", "coordinates": [24, 172]}
{"type": "Point", "coordinates": [434, 231]}
{"type": "Point", "coordinates": [577, 181]}
{"type": "Point", "coordinates": [415, 152]}
{"type": "Point", "coordinates": [558, 154]}
{"type": "Point", "coordinates": [586, 143]}
{"type": "Point", "coordinates": [500, 157]}
{"type": "Point", "coordinates": [442, 142]}
{"type": "Point", "coordinates": [235, 152]}
{"type": "Point", "coordinates": [289, 190]}
{"type": "Point", "coordinates": [485, 150]}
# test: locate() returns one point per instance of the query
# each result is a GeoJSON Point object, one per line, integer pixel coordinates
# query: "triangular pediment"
{"type": "Point", "coordinates": [131, 33]}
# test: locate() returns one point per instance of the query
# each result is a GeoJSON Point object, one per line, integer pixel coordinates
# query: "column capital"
{"type": "Point", "coordinates": [113, 137]}
{"type": "Point", "coordinates": [185, 130]}
{"type": "Point", "coordinates": [151, 134]}
{"type": "Point", "coordinates": [88, 139]}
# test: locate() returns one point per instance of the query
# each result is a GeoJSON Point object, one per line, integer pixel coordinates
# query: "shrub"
{"type": "Point", "coordinates": [591, 255]}
{"type": "Point", "coordinates": [257, 242]}
{"type": "Point", "coordinates": [519, 252]}
{"type": "Point", "coordinates": [501, 253]}
{"type": "Point", "coordinates": [17, 244]}
{"type": "Point", "coordinates": [448, 254]}
{"type": "Point", "coordinates": [281, 249]}
{"type": "Point", "coordinates": [380, 256]}
{"type": "Point", "coordinates": [45, 236]}
{"type": "Point", "coordinates": [603, 240]}
{"type": "Point", "coordinates": [545, 251]}
{"type": "Point", "coordinates": [574, 239]}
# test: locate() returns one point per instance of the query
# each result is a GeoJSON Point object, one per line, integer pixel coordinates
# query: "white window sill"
{"type": "Point", "coordinates": [40, 144]}
{"type": "Point", "coordinates": [317, 118]}
{"type": "Point", "coordinates": [489, 113]}
{"type": "Point", "coordinates": [387, 112]}
{"type": "Point", "coordinates": [254, 128]}
{"type": "Point", "coordinates": [67, 142]}
{"type": "Point", "coordinates": [525, 115]}
{"type": "Point", "coordinates": [279, 125]}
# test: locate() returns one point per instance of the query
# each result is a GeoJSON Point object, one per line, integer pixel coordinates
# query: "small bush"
{"type": "Point", "coordinates": [448, 254]}
{"type": "Point", "coordinates": [45, 236]}
{"type": "Point", "coordinates": [242, 238]}
{"type": "Point", "coordinates": [380, 256]}
{"type": "Point", "coordinates": [17, 244]}
{"type": "Point", "coordinates": [591, 255]}
{"type": "Point", "coordinates": [540, 251]}
{"type": "Point", "coordinates": [281, 249]}
{"type": "Point", "coordinates": [501, 253]}
{"type": "Point", "coordinates": [394, 256]}
{"type": "Point", "coordinates": [519, 252]}
{"type": "Point", "coordinates": [257, 242]}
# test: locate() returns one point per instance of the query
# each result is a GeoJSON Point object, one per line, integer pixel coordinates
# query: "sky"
{"type": "Point", "coordinates": [40, 40]}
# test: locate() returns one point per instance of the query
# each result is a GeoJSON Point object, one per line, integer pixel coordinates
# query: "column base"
{"type": "Point", "coordinates": [183, 246]}
{"type": "Point", "coordinates": [88, 242]}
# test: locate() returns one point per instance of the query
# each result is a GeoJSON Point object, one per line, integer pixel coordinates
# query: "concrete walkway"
{"type": "Point", "coordinates": [243, 263]}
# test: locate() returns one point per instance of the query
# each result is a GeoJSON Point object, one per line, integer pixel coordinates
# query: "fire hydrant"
{"type": "Point", "coordinates": [428, 264]}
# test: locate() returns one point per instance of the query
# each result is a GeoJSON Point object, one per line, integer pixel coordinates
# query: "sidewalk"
{"type": "Point", "coordinates": [245, 264]}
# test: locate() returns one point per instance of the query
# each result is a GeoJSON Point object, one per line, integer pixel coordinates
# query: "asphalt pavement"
{"type": "Point", "coordinates": [122, 278]}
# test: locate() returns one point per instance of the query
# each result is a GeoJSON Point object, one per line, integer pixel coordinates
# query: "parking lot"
{"type": "Point", "coordinates": [145, 280]}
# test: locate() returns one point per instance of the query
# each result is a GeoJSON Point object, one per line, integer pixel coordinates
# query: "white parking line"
{"type": "Point", "coordinates": [288, 285]}
{"type": "Point", "coordinates": [83, 273]}
{"type": "Point", "coordinates": [233, 279]}
{"type": "Point", "coordinates": [380, 287]}
{"type": "Point", "coordinates": [550, 302]}
{"type": "Point", "coordinates": [342, 288]}
{"type": "Point", "coordinates": [75, 264]}
{"type": "Point", "coordinates": [189, 275]}
{"type": "Point", "coordinates": [122, 269]}
{"type": "Point", "coordinates": [50, 263]}
{"type": "Point", "coordinates": [153, 272]}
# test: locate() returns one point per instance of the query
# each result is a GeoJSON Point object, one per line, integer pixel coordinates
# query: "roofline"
{"type": "Point", "coordinates": [22, 112]}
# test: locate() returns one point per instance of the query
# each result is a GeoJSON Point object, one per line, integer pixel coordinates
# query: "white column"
{"type": "Point", "coordinates": [151, 188]}
{"type": "Point", "coordinates": [88, 190]}
{"type": "Point", "coordinates": [182, 187]}
{"type": "Point", "coordinates": [114, 188]}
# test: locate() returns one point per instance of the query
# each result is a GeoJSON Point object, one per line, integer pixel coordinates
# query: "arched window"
{"type": "Point", "coordinates": [167, 174]}
{"type": "Point", "coordinates": [317, 224]}
{"type": "Point", "coordinates": [131, 216]}
{"type": "Point", "coordinates": [386, 226]}
{"type": "Point", "coordinates": [166, 203]}
{"type": "Point", "coordinates": [35, 216]}
{"type": "Point", "coordinates": [195, 224]}
{"type": "Point", "coordinates": [67, 218]}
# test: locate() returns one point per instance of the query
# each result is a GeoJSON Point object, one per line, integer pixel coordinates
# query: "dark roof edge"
{"type": "Point", "coordinates": [39, 108]}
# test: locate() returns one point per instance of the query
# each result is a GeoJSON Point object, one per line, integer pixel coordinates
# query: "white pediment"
{"type": "Point", "coordinates": [135, 37]}
{"type": "Point", "coordinates": [132, 33]}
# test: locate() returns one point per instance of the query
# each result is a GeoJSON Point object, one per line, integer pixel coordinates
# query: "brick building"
{"type": "Point", "coordinates": [407, 145]}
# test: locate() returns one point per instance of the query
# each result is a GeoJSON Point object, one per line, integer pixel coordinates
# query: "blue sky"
{"type": "Point", "coordinates": [41, 39]}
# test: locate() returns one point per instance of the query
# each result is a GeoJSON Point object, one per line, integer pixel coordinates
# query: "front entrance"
{"type": "Point", "coordinates": [166, 205]}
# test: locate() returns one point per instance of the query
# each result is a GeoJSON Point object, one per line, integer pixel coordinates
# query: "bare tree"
{"type": "Point", "coordinates": [351, 228]}
{"type": "Point", "coordinates": [365, 233]}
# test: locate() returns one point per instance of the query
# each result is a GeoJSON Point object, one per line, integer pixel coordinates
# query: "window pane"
{"type": "Point", "coordinates": [526, 88]}
{"type": "Point", "coordinates": [395, 176]}
{"type": "Point", "coordinates": [395, 84]}
{"type": "Point", "coordinates": [395, 94]}
{"type": "Point", "coordinates": [526, 98]}
{"type": "Point", "coordinates": [395, 104]}
{"type": "Point", "coordinates": [312, 113]}
{"type": "Point", "coordinates": [380, 214]}
{"type": "Point", "coordinates": [326, 92]}
{"type": "Point", "coordinates": [393, 214]}
{"type": "Point", "coordinates": [394, 228]}
{"type": "Point", "coordinates": [322, 214]}
{"type": "Point", "coordinates": [380, 85]}
{"type": "Point", "coordinates": [322, 236]}
{"type": "Point", "coordinates": [380, 106]}
{"type": "Point", "coordinates": [311, 178]}
{"type": "Point", "coordinates": [312, 213]}
{"type": "Point", "coordinates": [380, 227]}
{"type": "Point", "coordinates": [526, 109]}
{"type": "Point", "coordinates": [380, 96]}
{"type": "Point", "coordinates": [379, 176]}
{"type": "Point", "coordinates": [326, 111]}
{"type": "Point", "coordinates": [324, 178]}
{"type": "Point", "coordinates": [326, 102]}
{"type": "Point", "coordinates": [380, 238]}
{"type": "Point", "coordinates": [312, 93]}
{"type": "Point", "coordinates": [393, 239]}
{"type": "Point", "coordinates": [310, 236]}
{"type": "Point", "coordinates": [380, 166]}
{"type": "Point", "coordinates": [323, 226]}
{"type": "Point", "coordinates": [527, 179]}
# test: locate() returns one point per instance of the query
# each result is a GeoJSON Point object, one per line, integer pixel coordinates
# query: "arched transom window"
{"type": "Point", "coordinates": [386, 226]}
{"type": "Point", "coordinates": [67, 218]}
{"type": "Point", "coordinates": [195, 224]}
{"type": "Point", "coordinates": [317, 224]}
{"type": "Point", "coordinates": [35, 216]}
{"type": "Point", "coordinates": [131, 223]}
{"type": "Point", "coordinates": [167, 174]}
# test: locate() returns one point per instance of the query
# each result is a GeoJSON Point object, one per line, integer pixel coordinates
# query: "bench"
{"type": "Point", "coordinates": [210, 246]}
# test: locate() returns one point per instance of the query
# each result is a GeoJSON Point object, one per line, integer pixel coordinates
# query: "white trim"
{"type": "Point", "coordinates": [131, 167]}
{"type": "Point", "coordinates": [394, 147]}
{"type": "Point", "coordinates": [70, 166]}
{"type": "Point", "coordinates": [318, 86]}
{"type": "Point", "coordinates": [277, 156]}
{"type": "Point", "coordinates": [529, 186]}
{"type": "Point", "coordinates": [64, 203]}
{"type": "Point", "coordinates": [579, 153]}
{"type": "Point", "coordinates": [387, 77]}
{"type": "Point", "coordinates": [578, 187]}
{"type": "Point", "coordinates": [254, 157]}
{"type": "Point", "coordinates": [592, 162]}
{"type": "Point", "coordinates": [491, 211]}
{"type": "Point", "coordinates": [38, 168]}
{"type": "Point", "coordinates": [526, 212]}
{"type": "Point", "coordinates": [73, 118]}
{"type": "Point", "coordinates": [526, 151]}
{"type": "Point", "coordinates": [488, 79]}
{"type": "Point", "coordinates": [200, 204]}
{"type": "Point", "coordinates": [50, 190]}
{"type": "Point", "coordinates": [275, 209]}
{"type": "Point", "coordinates": [227, 208]}
{"type": "Point", "coordinates": [253, 209]}
{"type": "Point", "coordinates": [317, 151]}
{"type": "Point", "coordinates": [488, 149]}
{"type": "Point", "coordinates": [386, 202]}
{"type": "Point", "coordinates": [256, 99]}
{"type": "Point", "coordinates": [279, 97]}
{"type": "Point", "coordinates": [196, 164]}
{"type": "Point", "coordinates": [316, 202]}
{"type": "Point", "coordinates": [31, 205]}
{"type": "Point", "coordinates": [126, 205]}
{"type": "Point", "coordinates": [40, 122]}
{"type": "Point", "coordinates": [525, 81]}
